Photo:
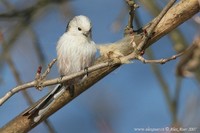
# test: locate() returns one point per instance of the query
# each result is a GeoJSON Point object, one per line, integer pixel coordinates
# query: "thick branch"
{"type": "Point", "coordinates": [153, 26]}
{"type": "Point", "coordinates": [178, 14]}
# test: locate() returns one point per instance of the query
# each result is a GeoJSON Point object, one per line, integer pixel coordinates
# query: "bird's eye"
{"type": "Point", "coordinates": [79, 29]}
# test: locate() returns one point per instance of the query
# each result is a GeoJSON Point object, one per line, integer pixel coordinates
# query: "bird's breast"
{"type": "Point", "coordinates": [74, 54]}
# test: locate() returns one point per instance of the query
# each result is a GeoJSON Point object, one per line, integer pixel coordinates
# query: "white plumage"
{"type": "Point", "coordinates": [75, 52]}
{"type": "Point", "coordinates": [75, 49]}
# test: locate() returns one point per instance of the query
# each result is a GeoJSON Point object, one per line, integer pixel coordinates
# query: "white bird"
{"type": "Point", "coordinates": [75, 51]}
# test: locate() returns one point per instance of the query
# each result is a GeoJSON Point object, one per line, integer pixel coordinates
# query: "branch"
{"type": "Point", "coordinates": [39, 83]}
{"type": "Point", "coordinates": [160, 61]}
{"type": "Point", "coordinates": [154, 24]}
{"type": "Point", "coordinates": [40, 78]}
{"type": "Point", "coordinates": [25, 93]}
{"type": "Point", "coordinates": [174, 17]}
{"type": "Point", "coordinates": [132, 7]}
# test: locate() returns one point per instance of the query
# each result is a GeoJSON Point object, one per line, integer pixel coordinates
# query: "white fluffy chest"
{"type": "Point", "coordinates": [74, 54]}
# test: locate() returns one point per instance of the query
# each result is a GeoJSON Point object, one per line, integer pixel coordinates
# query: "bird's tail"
{"type": "Point", "coordinates": [38, 111]}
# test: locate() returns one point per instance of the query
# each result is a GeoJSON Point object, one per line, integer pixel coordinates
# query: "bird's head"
{"type": "Point", "coordinates": [80, 25]}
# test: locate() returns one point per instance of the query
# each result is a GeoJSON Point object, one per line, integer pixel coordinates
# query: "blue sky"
{"type": "Point", "coordinates": [128, 98]}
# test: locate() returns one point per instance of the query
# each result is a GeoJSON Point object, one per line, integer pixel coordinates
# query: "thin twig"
{"type": "Point", "coordinates": [24, 92]}
{"type": "Point", "coordinates": [40, 78]}
{"type": "Point", "coordinates": [172, 105]}
{"type": "Point", "coordinates": [132, 6]}
{"type": "Point", "coordinates": [44, 75]}
{"type": "Point", "coordinates": [18, 79]}
{"type": "Point", "coordinates": [179, 41]}
{"type": "Point", "coordinates": [50, 82]}
{"type": "Point", "coordinates": [154, 24]}
{"type": "Point", "coordinates": [135, 55]}
{"type": "Point", "coordinates": [160, 61]}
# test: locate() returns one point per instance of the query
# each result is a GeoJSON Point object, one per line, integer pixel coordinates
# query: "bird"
{"type": "Point", "coordinates": [76, 51]}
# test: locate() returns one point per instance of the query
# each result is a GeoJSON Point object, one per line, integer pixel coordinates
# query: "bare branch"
{"type": "Point", "coordinates": [160, 61]}
{"type": "Point", "coordinates": [168, 23]}
{"type": "Point", "coordinates": [40, 78]}
{"type": "Point", "coordinates": [132, 7]}
{"type": "Point", "coordinates": [44, 75]}
{"type": "Point", "coordinates": [52, 81]}
{"type": "Point", "coordinates": [24, 92]}
{"type": "Point", "coordinates": [154, 24]}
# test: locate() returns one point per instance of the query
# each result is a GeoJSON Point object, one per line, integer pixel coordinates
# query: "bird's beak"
{"type": "Point", "coordinates": [87, 34]}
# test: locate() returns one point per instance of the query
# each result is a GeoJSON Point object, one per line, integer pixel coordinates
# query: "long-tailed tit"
{"type": "Point", "coordinates": [75, 51]}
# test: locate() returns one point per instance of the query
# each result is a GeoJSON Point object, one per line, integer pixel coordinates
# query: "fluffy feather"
{"type": "Point", "coordinates": [75, 52]}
